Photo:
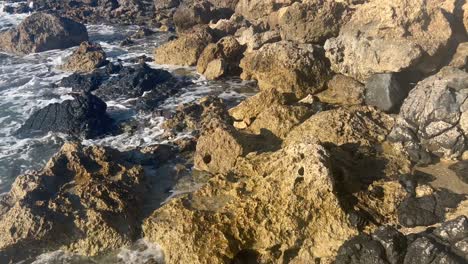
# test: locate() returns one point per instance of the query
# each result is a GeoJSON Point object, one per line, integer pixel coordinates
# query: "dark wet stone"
{"type": "Point", "coordinates": [427, 251]}
{"type": "Point", "coordinates": [384, 92]}
{"type": "Point", "coordinates": [361, 249]}
{"type": "Point", "coordinates": [83, 117]}
{"type": "Point", "coordinates": [394, 243]}
{"type": "Point", "coordinates": [83, 82]}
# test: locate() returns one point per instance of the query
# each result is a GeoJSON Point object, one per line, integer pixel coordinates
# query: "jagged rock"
{"type": "Point", "coordinates": [391, 36]}
{"type": "Point", "coordinates": [258, 212]}
{"type": "Point", "coordinates": [427, 210]}
{"type": "Point", "coordinates": [385, 92]}
{"type": "Point", "coordinates": [192, 13]}
{"type": "Point", "coordinates": [257, 9]}
{"type": "Point", "coordinates": [387, 245]}
{"type": "Point", "coordinates": [254, 39]}
{"type": "Point", "coordinates": [86, 200]}
{"type": "Point", "coordinates": [461, 170]}
{"type": "Point", "coordinates": [86, 58]}
{"type": "Point", "coordinates": [220, 59]}
{"type": "Point", "coordinates": [41, 32]}
{"type": "Point", "coordinates": [80, 82]}
{"type": "Point", "coordinates": [286, 67]}
{"type": "Point", "coordinates": [83, 117]}
{"type": "Point", "coordinates": [460, 58]}
{"type": "Point", "coordinates": [185, 50]}
{"type": "Point", "coordinates": [343, 90]}
{"type": "Point", "coordinates": [309, 22]}
{"type": "Point", "coordinates": [429, 120]}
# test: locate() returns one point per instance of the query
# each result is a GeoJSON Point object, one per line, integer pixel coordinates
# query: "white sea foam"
{"type": "Point", "coordinates": [141, 252]}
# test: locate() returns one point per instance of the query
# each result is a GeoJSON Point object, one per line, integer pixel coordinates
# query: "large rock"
{"type": "Point", "coordinates": [309, 22]}
{"type": "Point", "coordinates": [186, 49]}
{"type": "Point", "coordinates": [226, 51]}
{"type": "Point", "coordinates": [83, 117]}
{"type": "Point", "coordinates": [86, 58]}
{"type": "Point", "coordinates": [85, 200]}
{"type": "Point", "coordinates": [41, 32]}
{"type": "Point", "coordinates": [254, 39]}
{"type": "Point", "coordinates": [257, 214]}
{"type": "Point", "coordinates": [287, 67]}
{"type": "Point", "coordinates": [192, 13]}
{"type": "Point", "coordinates": [385, 92]}
{"type": "Point", "coordinates": [343, 90]}
{"type": "Point", "coordinates": [460, 58]}
{"type": "Point", "coordinates": [432, 118]}
{"type": "Point", "coordinates": [392, 36]}
{"type": "Point", "coordinates": [257, 9]}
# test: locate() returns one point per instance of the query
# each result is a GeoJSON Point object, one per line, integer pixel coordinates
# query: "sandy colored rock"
{"type": "Point", "coordinates": [254, 39]}
{"type": "Point", "coordinates": [430, 117]}
{"type": "Point", "coordinates": [86, 58]}
{"type": "Point", "coordinates": [343, 90]}
{"type": "Point", "coordinates": [220, 59]}
{"type": "Point", "coordinates": [185, 50]}
{"type": "Point", "coordinates": [86, 200]}
{"type": "Point", "coordinates": [391, 36]}
{"type": "Point", "coordinates": [286, 67]}
{"type": "Point", "coordinates": [256, 9]}
{"type": "Point", "coordinates": [263, 208]}
{"type": "Point", "coordinates": [309, 22]}
{"type": "Point", "coordinates": [460, 58]}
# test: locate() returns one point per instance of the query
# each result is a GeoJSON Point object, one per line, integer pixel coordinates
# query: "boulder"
{"type": "Point", "coordinates": [184, 50]}
{"type": "Point", "coordinates": [86, 58]}
{"type": "Point", "coordinates": [221, 59]}
{"type": "Point", "coordinates": [255, 39]}
{"type": "Point", "coordinates": [257, 213]}
{"type": "Point", "coordinates": [460, 58]}
{"type": "Point", "coordinates": [41, 32]}
{"type": "Point", "coordinates": [384, 91]}
{"type": "Point", "coordinates": [309, 22]}
{"type": "Point", "coordinates": [392, 36]}
{"type": "Point", "coordinates": [287, 67]}
{"type": "Point", "coordinates": [85, 200]}
{"type": "Point", "coordinates": [257, 9]}
{"type": "Point", "coordinates": [430, 119]}
{"type": "Point", "coordinates": [343, 90]}
{"type": "Point", "coordinates": [83, 117]}
{"type": "Point", "coordinates": [192, 13]}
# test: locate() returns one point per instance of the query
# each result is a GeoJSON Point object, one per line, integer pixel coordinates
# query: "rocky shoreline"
{"type": "Point", "coordinates": [322, 165]}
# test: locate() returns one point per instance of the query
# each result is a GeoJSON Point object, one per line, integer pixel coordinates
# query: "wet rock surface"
{"type": "Point", "coordinates": [41, 32]}
{"type": "Point", "coordinates": [83, 117]}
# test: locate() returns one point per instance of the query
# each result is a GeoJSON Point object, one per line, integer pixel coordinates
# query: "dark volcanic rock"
{"type": "Point", "coordinates": [83, 117]}
{"type": "Point", "coordinates": [41, 32]}
{"type": "Point", "coordinates": [426, 210]}
{"type": "Point", "coordinates": [384, 92]}
{"type": "Point", "coordinates": [445, 244]}
{"type": "Point", "coordinates": [82, 82]}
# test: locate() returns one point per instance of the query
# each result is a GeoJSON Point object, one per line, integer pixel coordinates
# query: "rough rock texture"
{"type": "Point", "coordinates": [86, 58]}
{"type": "Point", "coordinates": [256, 9]}
{"type": "Point", "coordinates": [286, 67]}
{"type": "Point", "coordinates": [42, 32]}
{"type": "Point", "coordinates": [85, 200]}
{"type": "Point", "coordinates": [445, 244]}
{"type": "Point", "coordinates": [255, 39]}
{"type": "Point", "coordinates": [185, 50]}
{"type": "Point", "coordinates": [264, 211]}
{"type": "Point", "coordinates": [192, 13]}
{"type": "Point", "coordinates": [227, 52]}
{"type": "Point", "coordinates": [343, 90]}
{"type": "Point", "coordinates": [385, 92]}
{"type": "Point", "coordinates": [460, 58]}
{"type": "Point", "coordinates": [309, 22]}
{"type": "Point", "coordinates": [83, 117]}
{"type": "Point", "coordinates": [391, 36]}
{"type": "Point", "coordinates": [433, 117]}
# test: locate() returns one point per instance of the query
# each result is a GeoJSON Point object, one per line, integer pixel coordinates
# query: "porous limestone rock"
{"type": "Point", "coordinates": [85, 200]}
{"type": "Point", "coordinates": [432, 119]}
{"type": "Point", "coordinates": [86, 58]}
{"type": "Point", "coordinates": [287, 67]}
{"type": "Point", "coordinates": [41, 32]}
{"type": "Point", "coordinates": [257, 9]}
{"type": "Point", "coordinates": [192, 13]}
{"type": "Point", "coordinates": [274, 207]}
{"type": "Point", "coordinates": [392, 36]}
{"type": "Point", "coordinates": [255, 39]}
{"type": "Point", "coordinates": [221, 58]}
{"type": "Point", "coordinates": [186, 49]}
{"type": "Point", "coordinates": [460, 58]}
{"type": "Point", "coordinates": [343, 90]}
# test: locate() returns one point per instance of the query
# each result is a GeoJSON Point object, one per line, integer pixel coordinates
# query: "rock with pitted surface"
{"type": "Point", "coordinates": [432, 119]}
{"type": "Point", "coordinates": [86, 58]}
{"type": "Point", "coordinates": [258, 9]}
{"type": "Point", "coordinates": [227, 52]}
{"type": "Point", "coordinates": [86, 200]}
{"type": "Point", "coordinates": [83, 117]}
{"type": "Point", "coordinates": [186, 49]}
{"type": "Point", "coordinates": [255, 39]}
{"type": "Point", "coordinates": [460, 58]}
{"type": "Point", "coordinates": [343, 90]}
{"type": "Point", "coordinates": [392, 36]}
{"type": "Point", "coordinates": [299, 69]}
{"type": "Point", "coordinates": [41, 32]}
{"type": "Point", "coordinates": [445, 244]}
{"type": "Point", "coordinates": [310, 22]}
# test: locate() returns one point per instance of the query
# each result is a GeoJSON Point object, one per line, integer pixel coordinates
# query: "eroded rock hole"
{"type": "Point", "coordinates": [246, 256]}
{"type": "Point", "coordinates": [301, 171]}
{"type": "Point", "coordinates": [207, 158]}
